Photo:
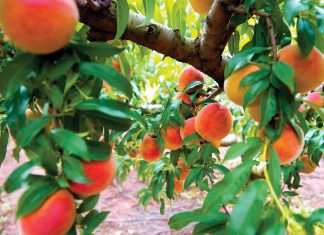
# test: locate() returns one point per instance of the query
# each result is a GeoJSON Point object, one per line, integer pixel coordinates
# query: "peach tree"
{"type": "Point", "coordinates": [102, 89]}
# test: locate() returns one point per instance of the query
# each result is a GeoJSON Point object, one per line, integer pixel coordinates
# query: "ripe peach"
{"type": "Point", "coordinates": [201, 6]}
{"type": "Point", "coordinates": [106, 86]}
{"type": "Point", "coordinates": [213, 122]}
{"type": "Point", "coordinates": [232, 85]}
{"type": "Point", "coordinates": [189, 75]}
{"type": "Point", "coordinates": [288, 147]}
{"type": "Point", "coordinates": [255, 113]}
{"type": "Point", "coordinates": [178, 185]}
{"type": "Point", "coordinates": [172, 138]}
{"type": "Point", "coordinates": [133, 153]}
{"type": "Point", "coordinates": [149, 149]}
{"type": "Point", "coordinates": [309, 71]}
{"type": "Point", "coordinates": [189, 129]}
{"type": "Point", "coordinates": [39, 26]}
{"type": "Point", "coordinates": [101, 173]}
{"type": "Point", "coordinates": [54, 217]}
{"type": "Point", "coordinates": [315, 98]}
{"type": "Point", "coordinates": [183, 169]}
{"type": "Point", "coordinates": [309, 165]}
{"type": "Point", "coordinates": [184, 97]}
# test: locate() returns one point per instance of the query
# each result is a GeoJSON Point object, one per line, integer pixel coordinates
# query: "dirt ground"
{"type": "Point", "coordinates": [127, 217]}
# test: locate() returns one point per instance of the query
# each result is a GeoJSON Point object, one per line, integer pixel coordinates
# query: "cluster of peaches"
{"type": "Point", "coordinates": [308, 73]}
{"type": "Point", "coordinates": [212, 123]}
{"type": "Point", "coordinates": [101, 175]}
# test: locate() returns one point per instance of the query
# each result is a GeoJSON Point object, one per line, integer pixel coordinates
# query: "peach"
{"type": "Point", "coordinates": [184, 97]}
{"type": "Point", "coordinates": [106, 86]}
{"type": "Point", "coordinates": [116, 64]}
{"type": "Point", "coordinates": [189, 129]}
{"type": "Point", "coordinates": [309, 71]}
{"type": "Point", "coordinates": [39, 26]}
{"type": "Point", "coordinates": [315, 98]}
{"type": "Point", "coordinates": [172, 138]}
{"type": "Point", "coordinates": [232, 87]}
{"type": "Point", "coordinates": [201, 6]}
{"type": "Point", "coordinates": [183, 169]}
{"type": "Point", "coordinates": [213, 122]}
{"type": "Point", "coordinates": [149, 149]}
{"type": "Point", "coordinates": [288, 147]}
{"type": "Point", "coordinates": [101, 173]}
{"type": "Point", "coordinates": [255, 113]}
{"type": "Point", "coordinates": [178, 185]}
{"type": "Point", "coordinates": [54, 217]}
{"type": "Point", "coordinates": [189, 75]}
{"type": "Point", "coordinates": [30, 114]}
{"type": "Point", "coordinates": [309, 165]}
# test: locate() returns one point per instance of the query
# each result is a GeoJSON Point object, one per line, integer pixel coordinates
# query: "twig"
{"type": "Point", "coordinates": [211, 96]}
{"type": "Point", "coordinates": [269, 23]}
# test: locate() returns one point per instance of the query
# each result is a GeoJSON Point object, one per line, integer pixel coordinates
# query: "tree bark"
{"type": "Point", "coordinates": [204, 53]}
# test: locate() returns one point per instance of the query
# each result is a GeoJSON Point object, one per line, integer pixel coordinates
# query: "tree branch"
{"type": "Point", "coordinates": [204, 53]}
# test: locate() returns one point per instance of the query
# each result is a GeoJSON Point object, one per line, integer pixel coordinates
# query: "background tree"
{"type": "Point", "coordinates": [79, 108]}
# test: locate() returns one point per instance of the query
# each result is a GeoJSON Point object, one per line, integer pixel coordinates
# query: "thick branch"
{"type": "Point", "coordinates": [203, 53]}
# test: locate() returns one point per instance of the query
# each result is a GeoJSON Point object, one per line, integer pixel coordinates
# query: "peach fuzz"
{"type": "Point", "coordinates": [39, 26]}
{"type": "Point", "coordinates": [201, 6]}
{"type": "Point", "coordinates": [189, 129]}
{"type": "Point", "coordinates": [309, 71]}
{"type": "Point", "coordinates": [288, 147]}
{"type": "Point", "coordinates": [172, 138]}
{"type": "Point", "coordinates": [149, 149]}
{"type": "Point", "coordinates": [189, 75]}
{"type": "Point", "coordinates": [213, 122]}
{"type": "Point", "coordinates": [309, 165]}
{"type": "Point", "coordinates": [232, 87]}
{"type": "Point", "coordinates": [101, 173]}
{"type": "Point", "coordinates": [54, 217]}
{"type": "Point", "coordinates": [315, 98]}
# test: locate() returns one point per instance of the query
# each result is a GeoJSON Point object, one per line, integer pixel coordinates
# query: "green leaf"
{"type": "Point", "coordinates": [122, 17]}
{"type": "Point", "coordinates": [316, 108]}
{"type": "Point", "coordinates": [246, 215]}
{"type": "Point", "coordinates": [275, 171]}
{"type": "Point", "coordinates": [268, 106]}
{"type": "Point", "coordinates": [71, 143]}
{"type": "Point", "coordinates": [73, 169]}
{"type": "Point", "coordinates": [290, 9]}
{"type": "Point", "coordinates": [182, 219]}
{"type": "Point", "coordinates": [241, 59]}
{"type": "Point", "coordinates": [88, 204]}
{"type": "Point", "coordinates": [240, 148]}
{"type": "Point", "coordinates": [92, 221]}
{"type": "Point", "coordinates": [190, 138]}
{"type": "Point", "coordinates": [234, 43]}
{"type": "Point", "coordinates": [285, 74]}
{"type": "Point", "coordinates": [170, 184]}
{"type": "Point", "coordinates": [17, 179]}
{"type": "Point", "coordinates": [226, 189]}
{"type": "Point", "coordinates": [28, 133]}
{"type": "Point", "coordinates": [3, 144]}
{"type": "Point", "coordinates": [16, 72]}
{"type": "Point", "coordinates": [34, 197]}
{"type": "Point", "coordinates": [254, 77]}
{"type": "Point", "coordinates": [99, 151]}
{"type": "Point", "coordinates": [306, 36]}
{"type": "Point", "coordinates": [97, 49]}
{"type": "Point", "coordinates": [192, 86]}
{"type": "Point", "coordinates": [254, 91]}
{"type": "Point", "coordinates": [107, 73]}
{"type": "Point", "coordinates": [149, 7]}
